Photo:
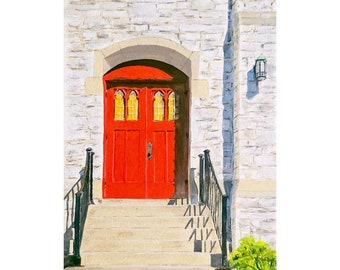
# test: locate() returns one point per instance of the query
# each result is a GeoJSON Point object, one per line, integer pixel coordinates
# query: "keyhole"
{"type": "Point", "coordinates": [149, 150]}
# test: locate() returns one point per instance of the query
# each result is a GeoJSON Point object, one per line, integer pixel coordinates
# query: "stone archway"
{"type": "Point", "coordinates": [159, 49]}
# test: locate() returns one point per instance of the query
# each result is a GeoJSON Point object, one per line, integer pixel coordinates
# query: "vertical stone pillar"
{"type": "Point", "coordinates": [254, 198]}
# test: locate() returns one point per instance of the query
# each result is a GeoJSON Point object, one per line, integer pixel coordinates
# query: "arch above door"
{"type": "Point", "coordinates": [160, 49]}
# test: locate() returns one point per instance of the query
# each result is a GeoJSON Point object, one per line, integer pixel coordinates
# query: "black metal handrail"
{"type": "Point", "coordinates": [212, 195]}
{"type": "Point", "coordinates": [76, 203]}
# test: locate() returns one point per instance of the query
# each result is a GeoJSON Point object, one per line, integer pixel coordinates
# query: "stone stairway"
{"type": "Point", "coordinates": [147, 235]}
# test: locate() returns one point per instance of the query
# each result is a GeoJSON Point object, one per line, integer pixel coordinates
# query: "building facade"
{"type": "Point", "coordinates": [210, 46]}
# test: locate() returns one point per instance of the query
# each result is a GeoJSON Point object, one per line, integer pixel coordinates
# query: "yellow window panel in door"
{"type": "Point", "coordinates": [171, 107]}
{"type": "Point", "coordinates": [158, 107]}
{"type": "Point", "coordinates": [119, 105]}
{"type": "Point", "coordinates": [132, 113]}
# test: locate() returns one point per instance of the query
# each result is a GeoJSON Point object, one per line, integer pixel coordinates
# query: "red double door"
{"type": "Point", "coordinates": [139, 143]}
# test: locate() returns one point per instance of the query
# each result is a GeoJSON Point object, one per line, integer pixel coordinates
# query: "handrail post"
{"type": "Point", "coordinates": [201, 179]}
{"type": "Point", "coordinates": [206, 173]}
{"type": "Point", "coordinates": [90, 172]}
{"type": "Point", "coordinates": [207, 162]}
{"type": "Point", "coordinates": [224, 231]}
{"type": "Point", "coordinates": [77, 221]}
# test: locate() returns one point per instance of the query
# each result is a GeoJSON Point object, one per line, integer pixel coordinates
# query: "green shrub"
{"type": "Point", "coordinates": [253, 255]}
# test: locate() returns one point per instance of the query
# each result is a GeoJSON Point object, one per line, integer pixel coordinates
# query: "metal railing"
{"type": "Point", "coordinates": [212, 195]}
{"type": "Point", "coordinates": [76, 203]}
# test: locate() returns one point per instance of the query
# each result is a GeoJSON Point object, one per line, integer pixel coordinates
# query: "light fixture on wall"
{"type": "Point", "coordinates": [260, 68]}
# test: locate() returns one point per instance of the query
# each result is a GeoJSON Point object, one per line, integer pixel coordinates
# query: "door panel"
{"type": "Point", "coordinates": [127, 156]}
{"type": "Point", "coordinates": [119, 156]}
{"type": "Point", "coordinates": [161, 130]}
{"type": "Point", "coordinates": [171, 156]}
{"type": "Point", "coordinates": [161, 170]}
{"type": "Point", "coordinates": [163, 157]}
{"type": "Point", "coordinates": [132, 161]}
{"type": "Point", "coordinates": [124, 146]}
{"type": "Point", "coordinates": [158, 163]}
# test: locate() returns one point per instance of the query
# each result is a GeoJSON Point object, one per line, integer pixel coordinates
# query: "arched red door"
{"type": "Point", "coordinates": [139, 136]}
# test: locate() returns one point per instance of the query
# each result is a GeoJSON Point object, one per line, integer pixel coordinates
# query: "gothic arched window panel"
{"type": "Point", "coordinates": [119, 105]}
{"type": "Point", "coordinates": [132, 109]}
{"type": "Point", "coordinates": [171, 107]}
{"type": "Point", "coordinates": [158, 106]}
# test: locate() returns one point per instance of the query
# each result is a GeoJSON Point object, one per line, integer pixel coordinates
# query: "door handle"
{"type": "Point", "coordinates": [149, 150]}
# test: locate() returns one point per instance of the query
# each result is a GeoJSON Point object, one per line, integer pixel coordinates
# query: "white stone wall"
{"type": "Point", "coordinates": [90, 25]}
{"type": "Point", "coordinates": [256, 216]}
{"type": "Point", "coordinates": [254, 122]}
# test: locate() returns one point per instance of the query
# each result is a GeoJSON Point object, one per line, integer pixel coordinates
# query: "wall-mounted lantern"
{"type": "Point", "coordinates": [260, 68]}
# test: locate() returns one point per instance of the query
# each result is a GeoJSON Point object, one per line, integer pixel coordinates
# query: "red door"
{"type": "Point", "coordinates": [160, 133]}
{"type": "Point", "coordinates": [139, 142]}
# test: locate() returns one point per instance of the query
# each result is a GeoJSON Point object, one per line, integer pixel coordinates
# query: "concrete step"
{"type": "Point", "coordinates": [150, 258]}
{"type": "Point", "coordinates": [210, 246]}
{"type": "Point", "coordinates": [145, 202]}
{"type": "Point", "coordinates": [154, 233]}
{"type": "Point", "coordinates": [137, 245]}
{"type": "Point", "coordinates": [136, 233]}
{"type": "Point", "coordinates": [143, 267]}
{"type": "Point", "coordinates": [136, 222]}
{"type": "Point", "coordinates": [110, 210]}
{"type": "Point", "coordinates": [104, 222]}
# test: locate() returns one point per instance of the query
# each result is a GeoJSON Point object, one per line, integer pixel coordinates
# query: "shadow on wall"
{"type": "Point", "coordinates": [67, 240]}
{"type": "Point", "coordinates": [193, 187]}
{"type": "Point", "coordinates": [228, 118]}
{"type": "Point", "coordinates": [252, 84]}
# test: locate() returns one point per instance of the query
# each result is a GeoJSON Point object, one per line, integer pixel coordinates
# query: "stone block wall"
{"type": "Point", "coordinates": [254, 121]}
{"type": "Point", "coordinates": [257, 216]}
{"type": "Point", "coordinates": [91, 25]}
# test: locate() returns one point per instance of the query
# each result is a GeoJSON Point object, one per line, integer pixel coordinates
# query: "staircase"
{"type": "Point", "coordinates": [149, 235]}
